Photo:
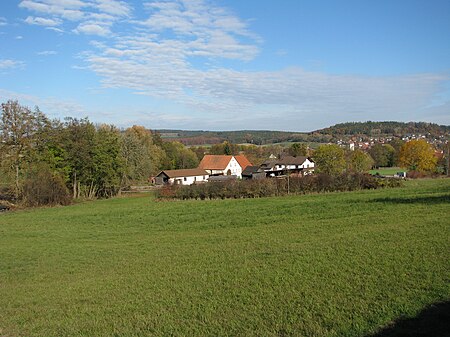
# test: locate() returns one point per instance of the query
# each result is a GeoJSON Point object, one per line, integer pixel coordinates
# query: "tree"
{"type": "Point", "coordinates": [330, 159]}
{"type": "Point", "coordinates": [108, 164]}
{"type": "Point", "coordinates": [178, 156]}
{"type": "Point", "coordinates": [142, 157]}
{"type": "Point", "coordinates": [418, 155]}
{"type": "Point", "coordinates": [396, 143]}
{"type": "Point", "coordinates": [79, 145]}
{"type": "Point", "coordinates": [224, 148]}
{"type": "Point", "coordinates": [18, 126]}
{"type": "Point", "coordinates": [298, 149]}
{"type": "Point", "coordinates": [360, 161]}
{"type": "Point", "coordinates": [382, 154]}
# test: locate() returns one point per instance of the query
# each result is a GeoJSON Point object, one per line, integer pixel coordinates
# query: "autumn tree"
{"type": "Point", "coordinates": [418, 155]}
{"type": "Point", "coordinates": [359, 161]}
{"type": "Point", "coordinates": [330, 159]}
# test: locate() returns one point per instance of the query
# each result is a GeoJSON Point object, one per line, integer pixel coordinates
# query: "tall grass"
{"type": "Point", "coordinates": [339, 264]}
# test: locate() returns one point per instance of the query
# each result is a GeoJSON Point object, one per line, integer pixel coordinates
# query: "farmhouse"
{"type": "Point", "coordinates": [224, 164]}
{"type": "Point", "coordinates": [183, 177]}
{"type": "Point", "coordinates": [299, 166]}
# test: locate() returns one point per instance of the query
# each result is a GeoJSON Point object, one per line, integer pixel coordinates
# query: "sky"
{"type": "Point", "coordinates": [291, 65]}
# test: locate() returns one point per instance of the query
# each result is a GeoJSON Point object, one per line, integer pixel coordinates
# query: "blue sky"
{"type": "Point", "coordinates": [291, 65]}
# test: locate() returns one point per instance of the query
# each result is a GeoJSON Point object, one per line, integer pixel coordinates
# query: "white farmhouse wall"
{"type": "Point", "coordinates": [234, 168]}
{"type": "Point", "coordinates": [307, 164]}
{"type": "Point", "coordinates": [188, 180]}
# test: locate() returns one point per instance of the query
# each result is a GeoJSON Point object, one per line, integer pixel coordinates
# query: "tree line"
{"type": "Point", "coordinates": [76, 158]}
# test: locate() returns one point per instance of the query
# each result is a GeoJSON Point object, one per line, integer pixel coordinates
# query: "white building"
{"type": "Point", "coordinates": [182, 177]}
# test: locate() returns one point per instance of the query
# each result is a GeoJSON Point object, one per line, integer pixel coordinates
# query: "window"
{"type": "Point", "coordinates": [185, 179]}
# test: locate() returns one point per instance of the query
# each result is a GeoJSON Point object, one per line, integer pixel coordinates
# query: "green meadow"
{"type": "Point", "coordinates": [336, 264]}
{"type": "Point", "coordinates": [388, 171]}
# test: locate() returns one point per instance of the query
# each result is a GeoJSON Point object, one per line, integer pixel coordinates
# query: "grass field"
{"type": "Point", "coordinates": [337, 264]}
{"type": "Point", "coordinates": [388, 171]}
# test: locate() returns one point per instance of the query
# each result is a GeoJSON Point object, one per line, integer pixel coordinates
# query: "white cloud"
{"type": "Point", "coordinates": [10, 64]}
{"type": "Point", "coordinates": [113, 7]}
{"type": "Point", "coordinates": [42, 21]}
{"type": "Point", "coordinates": [92, 29]}
{"type": "Point", "coordinates": [156, 59]}
{"type": "Point", "coordinates": [3, 21]}
{"type": "Point", "coordinates": [58, 30]}
{"type": "Point", "coordinates": [64, 9]}
{"type": "Point", "coordinates": [19, 37]}
{"type": "Point", "coordinates": [94, 17]}
{"type": "Point", "coordinates": [47, 53]}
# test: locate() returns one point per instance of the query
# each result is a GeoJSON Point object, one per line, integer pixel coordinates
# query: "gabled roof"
{"type": "Point", "coordinates": [184, 173]}
{"type": "Point", "coordinates": [243, 161]}
{"type": "Point", "coordinates": [220, 162]}
{"type": "Point", "coordinates": [215, 162]}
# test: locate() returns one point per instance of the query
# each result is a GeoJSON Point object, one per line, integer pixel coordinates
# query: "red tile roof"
{"type": "Point", "coordinates": [214, 162]}
{"type": "Point", "coordinates": [243, 161]}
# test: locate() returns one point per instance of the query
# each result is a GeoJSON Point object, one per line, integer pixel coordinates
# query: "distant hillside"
{"type": "Point", "coordinates": [330, 134]}
{"type": "Point", "coordinates": [257, 137]}
{"type": "Point", "coordinates": [386, 129]}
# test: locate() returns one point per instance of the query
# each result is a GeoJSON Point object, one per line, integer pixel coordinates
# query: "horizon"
{"type": "Point", "coordinates": [209, 65]}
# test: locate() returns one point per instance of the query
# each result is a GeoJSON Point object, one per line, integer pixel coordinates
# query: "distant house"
{"type": "Point", "coordinates": [299, 166]}
{"type": "Point", "coordinates": [182, 177]}
{"type": "Point", "coordinates": [217, 165]}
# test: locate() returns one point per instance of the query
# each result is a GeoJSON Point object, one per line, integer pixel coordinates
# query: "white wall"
{"type": "Point", "coordinates": [234, 167]}
{"type": "Point", "coordinates": [307, 164]}
{"type": "Point", "coordinates": [188, 180]}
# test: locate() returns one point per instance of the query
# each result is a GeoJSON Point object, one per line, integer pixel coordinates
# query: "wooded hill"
{"type": "Point", "coordinates": [386, 129]}
{"type": "Point", "coordinates": [343, 130]}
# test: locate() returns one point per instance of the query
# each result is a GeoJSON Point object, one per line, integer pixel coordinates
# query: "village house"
{"type": "Point", "coordinates": [217, 165]}
{"type": "Point", "coordinates": [182, 177]}
{"type": "Point", "coordinates": [296, 166]}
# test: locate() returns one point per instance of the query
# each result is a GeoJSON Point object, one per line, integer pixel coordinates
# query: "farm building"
{"type": "Point", "coordinates": [182, 177]}
{"type": "Point", "coordinates": [253, 172]}
{"type": "Point", "coordinates": [224, 164]}
{"type": "Point", "coordinates": [287, 164]}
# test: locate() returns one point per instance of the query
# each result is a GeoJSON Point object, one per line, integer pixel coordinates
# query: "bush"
{"type": "Point", "coordinates": [274, 187]}
{"type": "Point", "coordinates": [42, 187]}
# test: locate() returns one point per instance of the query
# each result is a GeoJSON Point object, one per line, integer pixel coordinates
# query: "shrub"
{"type": "Point", "coordinates": [42, 187]}
{"type": "Point", "coordinates": [274, 187]}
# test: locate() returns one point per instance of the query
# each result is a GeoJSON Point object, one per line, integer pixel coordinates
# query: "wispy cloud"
{"type": "Point", "coordinates": [3, 21]}
{"type": "Point", "coordinates": [94, 17]}
{"type": "Point", "coordinates": [42, 21]}
{"type": "Point", "coordinates": [10, 64]}
{"type": "Point", "coordinates": [47, 52]}
{"type": "Point", "coordinates": [92, 29]}
{"type": "Point", "coordinates": [54, 107]}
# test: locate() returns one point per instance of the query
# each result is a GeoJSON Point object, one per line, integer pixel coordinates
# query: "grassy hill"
{"type": "Point", "coordinates": [337, 264]}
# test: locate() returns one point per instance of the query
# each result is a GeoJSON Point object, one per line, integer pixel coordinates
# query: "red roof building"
{"type": "Point", "coordinates": [224, 164]}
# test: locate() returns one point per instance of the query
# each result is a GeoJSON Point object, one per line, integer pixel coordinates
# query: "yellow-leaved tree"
{"type": "Point", "coordinates": [418, 155]}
